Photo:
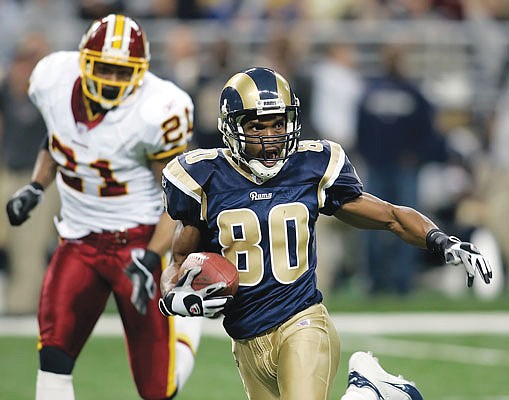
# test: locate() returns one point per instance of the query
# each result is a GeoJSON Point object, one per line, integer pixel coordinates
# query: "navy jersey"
{"type": "Point", "coordinates": [266, 229]}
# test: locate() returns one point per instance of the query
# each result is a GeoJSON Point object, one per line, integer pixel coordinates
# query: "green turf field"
{"type": "Point", "coordinates": [445, 367]}
{"type": "Point", "coordinates": [460, 367]}
{"type": "Point", "coordinates": [352, 299]}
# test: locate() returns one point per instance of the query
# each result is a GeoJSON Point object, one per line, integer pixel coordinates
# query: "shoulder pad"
{"type": "Point", "coordinates": [163, 100]}
{"type": "Point", "coordinates": [52, 68]}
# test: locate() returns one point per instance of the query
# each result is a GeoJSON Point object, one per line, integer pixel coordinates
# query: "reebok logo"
{"type": "Point", "coordinates": [260, 196]}
{"type": "Point", "coordinates": [195, 309]}
{"type": "Point", "coordinates": [193, 304]}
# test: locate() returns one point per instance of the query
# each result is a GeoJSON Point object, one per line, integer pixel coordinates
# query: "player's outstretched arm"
{"type": "Point", "coordinates": [369, 212]}
{"type": "Point", "coordinates": [456, 252]}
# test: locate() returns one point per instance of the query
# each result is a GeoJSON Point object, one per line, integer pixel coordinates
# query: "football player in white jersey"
{"type": "Point", "coordinates": [112, 126]}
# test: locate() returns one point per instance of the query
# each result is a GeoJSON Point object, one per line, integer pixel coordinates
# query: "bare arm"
{"type": "Point", "coordinates": [370, 212]}
{"type": "Point", "coordinates": [157, 167]}
{"type": "Point", "coordinates": [45, 169]}
{"type": "Point", "coordinates": [162, 238]}
{"type": "Point", "coordinates": [145, 261]}
{"type": "Point", "coordinates": [186, 240]}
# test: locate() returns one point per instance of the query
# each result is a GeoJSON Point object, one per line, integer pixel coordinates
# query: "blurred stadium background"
{"type": "Point", "coordinates": [454, 51]}
{"type": "Point", "coordinates": [456, 54]}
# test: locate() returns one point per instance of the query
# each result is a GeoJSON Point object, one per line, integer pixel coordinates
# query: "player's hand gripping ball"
{"type": "Point", "coordinates": [214, 268]}
{"type": "Point", "coordinates": [207, 283]}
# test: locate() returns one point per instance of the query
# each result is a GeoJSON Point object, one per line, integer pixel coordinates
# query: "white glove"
{"type": "Point", "coordinates": [183, 300]}
{"type": "Point", "coordinates": [457, 252]}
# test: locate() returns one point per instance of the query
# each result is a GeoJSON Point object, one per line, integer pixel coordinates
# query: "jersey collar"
{"type": "Point", "coordinates": [81, 108]}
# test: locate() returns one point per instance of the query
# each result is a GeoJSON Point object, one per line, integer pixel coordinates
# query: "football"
{"type": "Point", "coordinates": [214, 268]}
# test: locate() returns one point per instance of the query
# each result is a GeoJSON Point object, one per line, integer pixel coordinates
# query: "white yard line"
{"type": "Point", "coordinates": [346, 323]}
{"type": "Point", "coordinates": [411, 349]}
{"type": "Point", "coordinates": [424, 322]}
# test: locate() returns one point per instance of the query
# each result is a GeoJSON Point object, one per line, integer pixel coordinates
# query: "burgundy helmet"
{"type": "Point", "coordinates": [114, 42]}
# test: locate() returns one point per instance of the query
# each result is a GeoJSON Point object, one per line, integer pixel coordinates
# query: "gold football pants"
{"type": "Point", "coordinates": [296, 361]}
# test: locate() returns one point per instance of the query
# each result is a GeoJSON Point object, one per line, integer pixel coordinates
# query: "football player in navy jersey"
{"type": "Point", "coordinates": [256, 202]}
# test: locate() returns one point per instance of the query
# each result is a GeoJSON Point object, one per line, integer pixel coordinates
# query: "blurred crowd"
{"type": "Point", "coordinates": [416, 92]}
{"type": "Point", "coordinates": [269, 9]}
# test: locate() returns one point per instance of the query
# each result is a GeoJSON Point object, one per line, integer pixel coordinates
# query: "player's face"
{"type": "Point", "coordinates": [263, 137]}
{"type": "Point", "coordinates": [112, 73]}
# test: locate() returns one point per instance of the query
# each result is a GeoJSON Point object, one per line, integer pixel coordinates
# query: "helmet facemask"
{"type": "Point", "coordinates": [113, 45]}
{"type": "Point", "coordinates": [109, 93]}
{"type": "Point", "coordinates": [266, 164]}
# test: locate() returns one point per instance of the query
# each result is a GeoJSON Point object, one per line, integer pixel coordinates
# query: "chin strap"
{"type": "Point", "coordinates": [265, 173]}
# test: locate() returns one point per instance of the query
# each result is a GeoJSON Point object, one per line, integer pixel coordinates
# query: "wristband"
{"type": "Point", "coordinates": [37, 186]}
{"type": "Point", "coordinates": [151, 260]}
{"type": "Point", "coordinates": [436, 241]}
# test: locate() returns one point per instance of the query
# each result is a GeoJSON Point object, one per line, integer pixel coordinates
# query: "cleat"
{"type": "Point", "coordinates": [364, 372]}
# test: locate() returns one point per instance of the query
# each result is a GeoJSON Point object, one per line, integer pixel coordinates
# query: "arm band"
{"type": "Point", "coordinates": [151, 260]}
{"type": "Point", "coordinates": [37, 185]}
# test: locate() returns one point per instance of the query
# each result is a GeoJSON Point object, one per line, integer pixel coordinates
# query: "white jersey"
{"type": "Point", "coordinates": [104, 176]}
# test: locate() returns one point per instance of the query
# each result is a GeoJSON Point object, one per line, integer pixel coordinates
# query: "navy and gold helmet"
{"type": "Point", "coordinates": [247, 95]}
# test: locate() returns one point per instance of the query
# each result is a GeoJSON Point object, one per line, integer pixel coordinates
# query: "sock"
{"type": "Point", "coordinates": [185, 364]}
{"type": "Point", "coordinates": [52, 386]}
{"type": "Point", "coordinates": [188, 332]}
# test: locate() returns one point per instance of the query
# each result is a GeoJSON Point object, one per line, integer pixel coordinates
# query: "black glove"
{"type": "Point", "coordinates": [183, 300]}
{"type": "Point", "coordinates": [140, 274]}
{"type": "Point", "coordinates": [454, 251]}
{"type": "Point", "coordinates": [23, 201]}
